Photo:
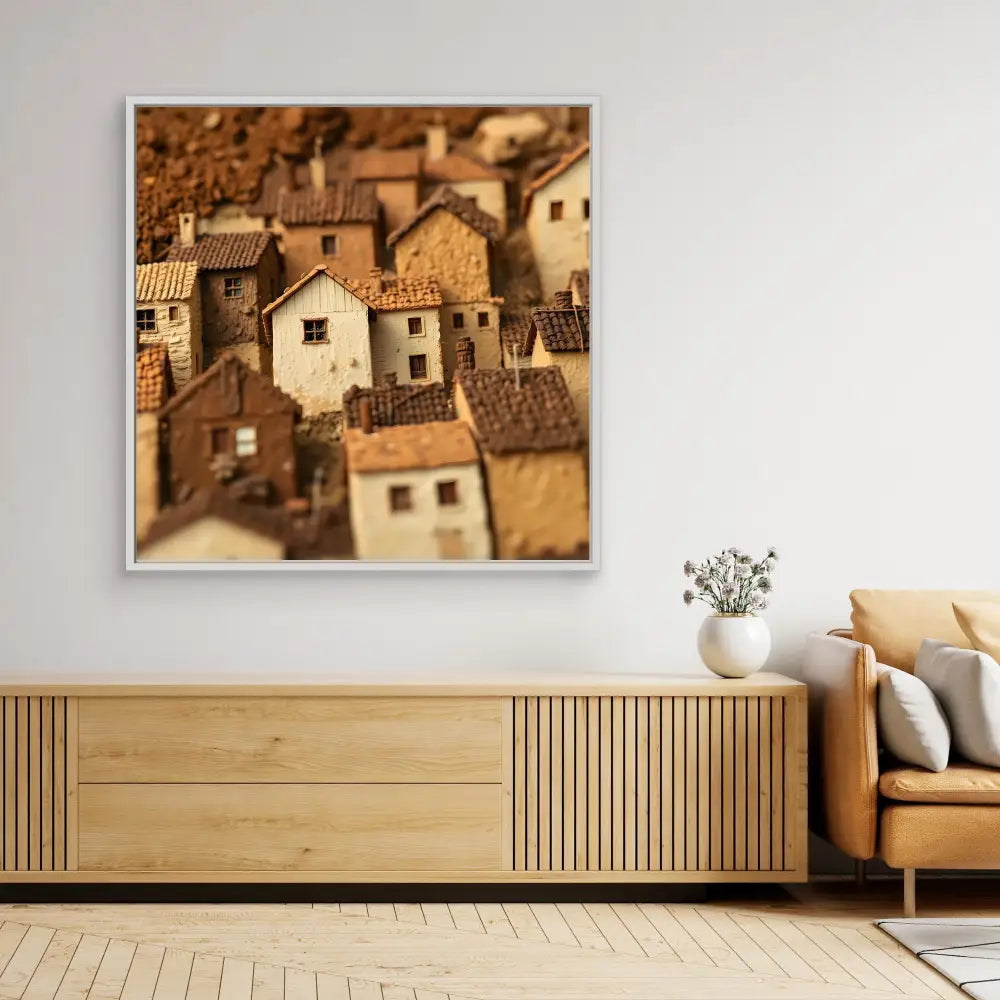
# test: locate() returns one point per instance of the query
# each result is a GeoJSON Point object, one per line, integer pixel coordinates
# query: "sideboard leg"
{"type": "Point", "coordinates": [909, 892]}
{"type": "Point", "coordinates": [860, 877]}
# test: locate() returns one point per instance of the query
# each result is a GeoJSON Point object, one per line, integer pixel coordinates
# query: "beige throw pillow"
{"type": "Point", "coordinates": [980, 621]}
{"type": "Point", "coordinates": [895, 622]}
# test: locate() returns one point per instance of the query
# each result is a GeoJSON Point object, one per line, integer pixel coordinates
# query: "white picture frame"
{"type": "Point", "coordinates": [135, 565]}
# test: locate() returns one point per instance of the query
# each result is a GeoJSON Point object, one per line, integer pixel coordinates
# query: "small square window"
{"type": "Point", "coordinates": [484, 319]}
{"type": "Point", "coordinates": [447, 493]}
{"type": "Point", "coordinates": [418, 366]}
{"type": "Point", "coordinates": [416, 326]}
{"type": "Point", "coordinates": [172, 313]}
{"type": "Point", "coordinates": [145, 320]}
{"type": "Point", "coordinates": [331, 245]}
{"type": "Point", "coordinates": [314, 331]}
{"type": "Point", "coordinates": [400, 498]}
{"type": "Point", "coordinates": [246, 441]}
{"type": "Point", "coordinates": [457, 321]}
{"type": "Point", "coordinates": [586, 208]}
{"type": "Point", "coordinates": [555, 211]}
{"type": "Point", "coordinates": [220, 440]}
{"type": "Point", "coordinates": [232, 288]}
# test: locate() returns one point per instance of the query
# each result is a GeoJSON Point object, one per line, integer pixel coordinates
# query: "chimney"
{"type": "Point", "coordinates": [564, 300]}
{"type": "Point", "coordinates": [437, 142]}
{"type": "Point", "coordinates": [465, 353]}
{"type": "Point", "coordinates": [188, 225]}
{"type": "Point", "coordinates": [378, 287]}
{"type": "Point", "coordinates": [365, 413]}
{"type": "Point", "coordinates": [317, 167]}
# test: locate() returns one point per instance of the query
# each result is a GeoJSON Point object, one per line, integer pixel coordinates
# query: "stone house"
{"type": "Point", "coordinates": [406, 334]}
{"type": "Point", "coordinates": [416, 492]}
{"type": "Point", "coordinates": [481, 183]}
{"type": "Point", "coordinates": [396, 176]}
{"type": "Point", "coordinates": [560, 335]}
{"type": "Point", "coordinates": [238, 273]}
{"type": "Point", "coordinates": [212, 527]}
{"type": "Point", "coordinates": [335, 224]}
{"type": "Point", "coordinates": [451, 240]}
{"type": "Point", "coordinates": [556, 208]}
{"type": "Point", "coordinates": [320, 331]}
{"type": "Point", "coordinates": [168, 312]}
{"type": "Point", "coordinates": [153, 387]}
{"type": "Point", "coordinates": [230, 424]}
{"type": "Point", "coordinates": [534, 458]}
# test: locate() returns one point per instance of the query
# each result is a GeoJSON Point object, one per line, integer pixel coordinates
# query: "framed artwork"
{"type": "Point", "coordinates": [359, 334]}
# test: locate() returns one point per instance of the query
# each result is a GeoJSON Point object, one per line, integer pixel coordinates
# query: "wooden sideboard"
{"type": "Point", "coordinates": [598, 778]}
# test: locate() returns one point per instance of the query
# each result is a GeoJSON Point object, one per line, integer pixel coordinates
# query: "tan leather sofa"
{"type": "Point", "coordinates": [862, 800]}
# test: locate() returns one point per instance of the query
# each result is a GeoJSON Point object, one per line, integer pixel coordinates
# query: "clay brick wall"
{"type": "Point", "coordinates": [303, 249]}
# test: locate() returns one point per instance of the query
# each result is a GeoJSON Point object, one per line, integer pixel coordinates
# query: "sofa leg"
{"type": "Point", "coordinates": [909, 892]}
{"type": "Point", "coordinates": [859, 871]}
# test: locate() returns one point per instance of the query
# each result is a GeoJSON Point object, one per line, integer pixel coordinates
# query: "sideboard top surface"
{"type": "Point", "coordinates": [415, 686]}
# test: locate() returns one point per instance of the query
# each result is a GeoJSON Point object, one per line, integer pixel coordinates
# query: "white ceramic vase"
{"type": "Point", "coordinates": [734, 645]}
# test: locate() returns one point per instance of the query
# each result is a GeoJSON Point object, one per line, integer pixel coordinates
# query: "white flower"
{"type": "Point", "coordinates": [769, 565]}
{"type": "Point", "coordinates": [772, 553]}
{"type": "Point", "coordinates": [729, 591]}
{"type": "Point", "coordinates": [761, 605]}
{"type": "Point", "coordinates": [702, 580]}
{"type": "Point", "coordinates": [743, 571]}
{"type": "Point", "coordinates": [764, 585]}
{"type": "Point", "coordinates": [689, 597]}
{"type": "Point", "coordinates": [689, 568]}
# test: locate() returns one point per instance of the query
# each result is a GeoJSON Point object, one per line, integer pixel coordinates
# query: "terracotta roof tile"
{"type": "Point", "coordinates": [579, 281]}
{"type": "Point", "coordinates": [224, 251]}
{"type": "Point", "coordinates": [385, 164]}
{"type": "Point", "coordinates": [457, 168]}
{"type": "Point", "coordinates": [560, 329]}
{"type": "Point", "coordinates": [563, 164]}
{"type": "Point", "coordinates": [153, 379]}
{"type": "Point", "coordinates": [399, 293]}
{"type": "Point", "coordinates": [397, 405]}
{"type": "Point", "coordinates": [165, 280]}
{"type": "Point", "coordinates": [343, 201]}
{"type": "Point", "coordinates": [410, 446]}
{"type": "Point", "coordinates": [462, 208]}
{"type": "Point", "coordinates": [538, 415]}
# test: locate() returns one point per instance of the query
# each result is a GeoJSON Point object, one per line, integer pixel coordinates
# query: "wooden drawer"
{"type": "Point", "coordinates": [305, 827]}
{"type": "Point", "coordinates": [204, 739]}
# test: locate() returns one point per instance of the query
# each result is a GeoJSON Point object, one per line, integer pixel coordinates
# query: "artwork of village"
{"type": "Point", "coordinates": [362, 334]}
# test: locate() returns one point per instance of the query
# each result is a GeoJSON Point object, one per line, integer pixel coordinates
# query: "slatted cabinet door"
{"type": "Point", "coordinates": [690, 785]}
{"type": "Point", "coordinates": [38, 739]}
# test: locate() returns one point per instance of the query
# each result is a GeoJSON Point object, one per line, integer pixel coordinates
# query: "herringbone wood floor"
{"type": "Point", "coordinates": [822, 946]}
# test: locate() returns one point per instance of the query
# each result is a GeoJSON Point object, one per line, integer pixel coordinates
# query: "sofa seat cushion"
{"type": "Point", "coordinates": [958, 784]}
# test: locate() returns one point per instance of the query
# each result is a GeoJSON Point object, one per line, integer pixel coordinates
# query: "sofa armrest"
{"type": "Point", "coordinates": [843, 742]}
{"type": "Point", "coordinates": [843, 633]}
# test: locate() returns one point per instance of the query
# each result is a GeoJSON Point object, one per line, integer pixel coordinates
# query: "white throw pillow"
{"type": "Point", "coordinates": [911, 722]}
{"type": "Point", "coordinates": [967, 683]}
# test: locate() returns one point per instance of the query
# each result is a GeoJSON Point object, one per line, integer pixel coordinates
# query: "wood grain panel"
{"type": "Point", "coordinates": [34, 790]}
{"type": "Point", "coordinates": [703, 784]}
{"type": "Point", "coordinates": [327, 740]}
{"type": "Point", "coordinates": [277, 827]}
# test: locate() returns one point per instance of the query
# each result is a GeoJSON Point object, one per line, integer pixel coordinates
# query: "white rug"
{"type": "Point", "coordinates": [966, 950]}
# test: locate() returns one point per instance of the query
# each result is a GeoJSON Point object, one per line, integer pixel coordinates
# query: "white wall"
{"type": "Point", "coordinates": [800, 242]}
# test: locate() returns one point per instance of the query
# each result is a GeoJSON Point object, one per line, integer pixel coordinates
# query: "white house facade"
{"type": "Point", "coordinates": [320, 330]}
{"type": "Point", "coordinates": [557, 217]}
{"type": "Point", "coordinates": [416, 492]}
